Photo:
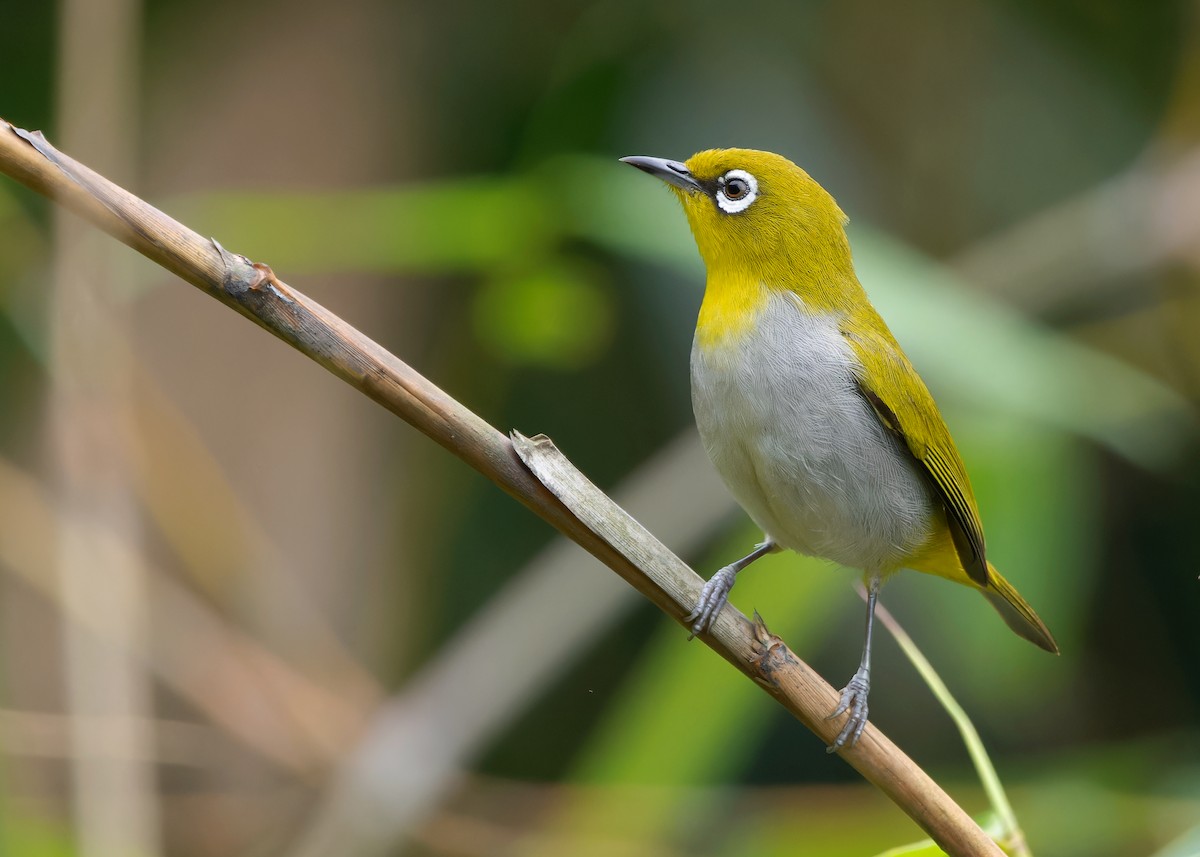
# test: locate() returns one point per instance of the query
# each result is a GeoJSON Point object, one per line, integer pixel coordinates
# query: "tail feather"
{"type": "Point", "coordinates": [1016, 613]}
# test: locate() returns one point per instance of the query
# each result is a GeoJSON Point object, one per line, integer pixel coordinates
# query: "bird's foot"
{"type": "Point", "coordinates": [713, 598]}
{"type": "Point", "coordinates": [853, 700]}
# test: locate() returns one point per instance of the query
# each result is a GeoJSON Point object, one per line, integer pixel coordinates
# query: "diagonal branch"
{"type": "Point", "coordinates": [559, 494]}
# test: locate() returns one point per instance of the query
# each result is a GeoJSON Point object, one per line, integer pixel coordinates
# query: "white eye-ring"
{"type": "Point", "coordinates": [736, 190]}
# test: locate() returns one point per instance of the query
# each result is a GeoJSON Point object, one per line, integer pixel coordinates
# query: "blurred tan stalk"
{"type": "Point", "coordinates": [413, 751]}
{"type": "Point", "coordinates": [239, 685]}
{"type": "Point", "coordinates": [114, 794]}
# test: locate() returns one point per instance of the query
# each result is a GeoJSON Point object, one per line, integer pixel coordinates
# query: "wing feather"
{"type": "Point", "coordinates": [907, 408]}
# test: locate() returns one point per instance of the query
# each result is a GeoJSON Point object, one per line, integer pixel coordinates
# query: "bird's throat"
{"type": "Point", "coordinates": [732, 302]}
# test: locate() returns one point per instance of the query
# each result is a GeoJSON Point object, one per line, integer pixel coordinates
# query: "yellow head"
{"type": "Point", "coordinates": [757, 212]}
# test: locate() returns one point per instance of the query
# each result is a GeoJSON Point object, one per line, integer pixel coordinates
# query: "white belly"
{"type": "Point", "coordinates": [801, 449]}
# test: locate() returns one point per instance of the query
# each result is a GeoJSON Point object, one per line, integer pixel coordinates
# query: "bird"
{"type": "Point", "coordinates": [809, 409]}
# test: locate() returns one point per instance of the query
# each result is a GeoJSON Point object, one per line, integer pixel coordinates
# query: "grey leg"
{"type": "Point", "coordinates": [715, 594]}
{"type": "Point", "coordinates": [854, 694]}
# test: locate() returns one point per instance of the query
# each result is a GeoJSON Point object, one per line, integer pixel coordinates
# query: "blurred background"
{"type": "Point", "coordinates": [245, 611]}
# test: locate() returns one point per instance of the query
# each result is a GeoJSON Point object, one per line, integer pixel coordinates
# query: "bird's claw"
{"type": "Point", "coordinates": [713, 599]}
{"type": "Point", "coordinates": [854, 701]}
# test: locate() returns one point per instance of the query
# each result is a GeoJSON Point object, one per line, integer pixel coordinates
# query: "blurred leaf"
{"type": "Point", "coordinates": [452, 226]}
{"type": "Point", "coordinates": [24, 834]}
{"type": "Point", "coordinates": [556, 315]}
{"type": "Point", "coordinates": [924, 848]}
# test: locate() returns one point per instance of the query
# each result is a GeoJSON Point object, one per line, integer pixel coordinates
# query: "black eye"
{"type": "Point", "coordinates": [736, 188]}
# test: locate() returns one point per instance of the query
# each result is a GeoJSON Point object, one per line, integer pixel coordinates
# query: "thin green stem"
{"type": "Point", "coordinates": [1014, 839]}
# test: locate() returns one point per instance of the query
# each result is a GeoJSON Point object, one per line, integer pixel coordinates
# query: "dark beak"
{"type": "Point", "coordinates": [672, 172]}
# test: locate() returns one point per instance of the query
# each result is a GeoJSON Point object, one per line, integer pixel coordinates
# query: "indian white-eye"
{"type": "Point", "coordinates": [809, 409]}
